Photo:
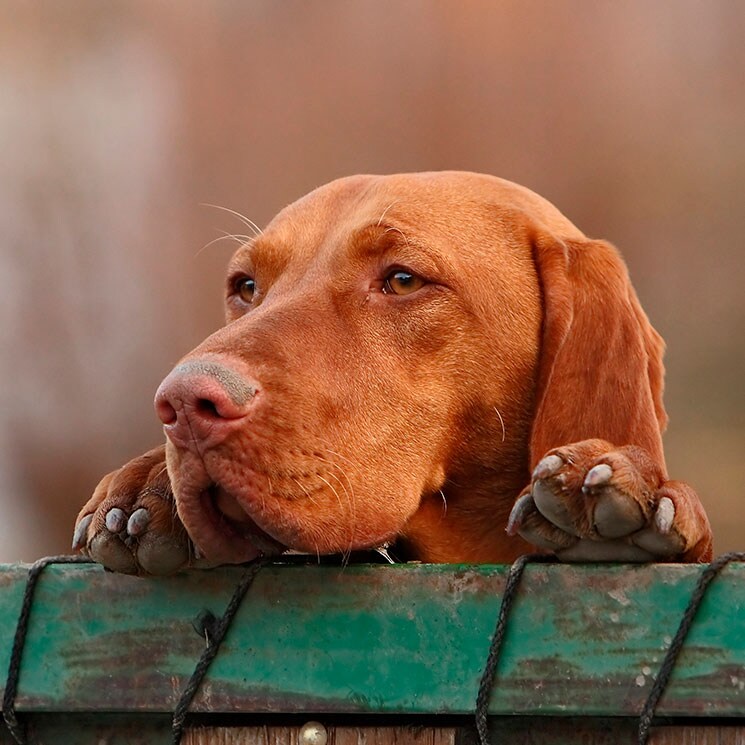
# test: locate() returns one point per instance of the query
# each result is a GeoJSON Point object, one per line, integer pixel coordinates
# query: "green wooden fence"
{"type": "Point", "coordinates": [107, 655]}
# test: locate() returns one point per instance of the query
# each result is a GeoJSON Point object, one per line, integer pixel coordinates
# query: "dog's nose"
{"type": "Point", "coordinates": [202, 402]}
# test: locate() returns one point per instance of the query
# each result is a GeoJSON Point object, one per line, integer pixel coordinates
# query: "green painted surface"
{"type": "Point", "coordinates": [408, 639]}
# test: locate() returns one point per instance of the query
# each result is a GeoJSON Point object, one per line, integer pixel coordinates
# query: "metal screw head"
{"type": "Point", "coordinates": [313, 733]}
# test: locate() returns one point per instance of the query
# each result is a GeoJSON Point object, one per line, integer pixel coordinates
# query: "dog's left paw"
{"type": "Point", "coordinates": [590, 501]}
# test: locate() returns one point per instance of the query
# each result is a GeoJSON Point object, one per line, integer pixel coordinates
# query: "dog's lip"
{"type": "Point", "coordinates": [222, 532]}
{"type": "Point", "coordinates": [226, 515]}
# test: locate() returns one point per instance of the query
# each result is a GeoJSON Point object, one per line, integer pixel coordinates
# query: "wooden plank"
{"type": "Point", "coordinates": [377, 639]}
{"type": "Point", "coordinates": [598, 731]}
{"type": "Point", "coordinates": [133, 729]}
{"type": "Point", "coordinates": [720, 735]}
{"type": "Point", "coordinates": [337, 735]}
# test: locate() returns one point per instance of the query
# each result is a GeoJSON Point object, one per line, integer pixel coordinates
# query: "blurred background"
{"type": "Point", "coordinates": [120, 120]}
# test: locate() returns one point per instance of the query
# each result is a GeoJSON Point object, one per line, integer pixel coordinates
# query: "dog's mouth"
{"type": "Point", "coordinates": [223, 532]}
{"type": "Point", "coordinates": [232, 517]}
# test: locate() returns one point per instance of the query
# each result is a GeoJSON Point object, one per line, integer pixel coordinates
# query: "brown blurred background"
{"type": "Point", "coordinates": [118, 120]}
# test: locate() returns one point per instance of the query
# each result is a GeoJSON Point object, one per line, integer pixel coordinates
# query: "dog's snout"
{"type": "Point", "coordinates": [202, 402]}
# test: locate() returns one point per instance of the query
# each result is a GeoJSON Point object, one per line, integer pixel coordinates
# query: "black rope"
{"type": "Point", "coordinates": [671, 656]}
{"type": "Point", "coordinates": [214, 630]}
{"type": "Point", "coordinates": [16, 729]}
{"type": "Point", "coordinates": [495, 647]}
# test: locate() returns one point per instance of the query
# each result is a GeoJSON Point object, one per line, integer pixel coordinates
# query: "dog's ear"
{"type": "Point", "coordinates": [600, 370]}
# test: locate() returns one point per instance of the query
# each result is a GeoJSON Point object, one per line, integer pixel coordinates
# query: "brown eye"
{"type": "Point", "coordinates": [245, 288]}
{"type": "Point", "coordinates": [401, 282]}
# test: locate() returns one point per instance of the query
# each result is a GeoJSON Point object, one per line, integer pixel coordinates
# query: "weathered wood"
{"type": "Point", "coordinates": [719, 735]}
{"type": "Point", "coordinates": [337, 735]}
{"type": "Point", "coordinates": [132, 729]}
{"type": "Point", "coordinates": [583, 640]}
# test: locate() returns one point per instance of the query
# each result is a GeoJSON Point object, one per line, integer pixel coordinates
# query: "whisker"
{"type": "Point", "coordinates": [341, 506]}
{"type": "Point", "coordinates": [338, 455]}
{"type": "Point", "coordinates": [349, 494]}
{"type": "Point", "coordinates": [333, 491]}
{"type": "Point", "coordinates": [161, 472]}
{"type": "Point", "coordinates": [397, 230]}
{"type": "Point", "coordinates": [380, 220]}
{"type": "Point", "coordinates": [245, 220]}
{"type": "Point", "coordinates": [350, 501]}
{"type": "Point", "coordinates": [501, 421]}
{"type": "Point", "coordinates": [444, 502]}
{"type": "Point", "coordinates": [242, 240]}
{"type": "Point", "coordinates": [307, 493]}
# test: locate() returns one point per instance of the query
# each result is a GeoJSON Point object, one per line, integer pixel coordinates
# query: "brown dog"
{"type": "Point", "coordinates": [401, 354]}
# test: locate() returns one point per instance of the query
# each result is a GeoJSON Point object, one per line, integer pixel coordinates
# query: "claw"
{"type": "Point", "coordinates": [597, 476]}
{"type": "Point", "coordinates": [138, 522]}
{"type": "Point", "coordinates": [522, 507]}
{"type": "Point", "coordinates": [116, 520]}
{"type": "Point", "coordinates": [664, 516]}
{"type": "Point", "coordinates": [80, 536]}
{"type": "Point", "coordinates": [549, 466]}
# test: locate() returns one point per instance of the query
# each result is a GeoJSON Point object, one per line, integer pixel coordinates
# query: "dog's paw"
{"type": "Point", "coordinates": [590, 501]}
{"type": "Point", "coordinates": [130, 524]}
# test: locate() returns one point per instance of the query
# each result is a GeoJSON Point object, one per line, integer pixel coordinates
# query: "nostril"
{"type": "Point", "coordinates": [206, 408]}
{"type": "Point", "coordinates": [166, 412]}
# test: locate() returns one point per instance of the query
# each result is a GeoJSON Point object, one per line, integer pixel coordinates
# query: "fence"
{"type": "Point", "coordinates": [376, 655]}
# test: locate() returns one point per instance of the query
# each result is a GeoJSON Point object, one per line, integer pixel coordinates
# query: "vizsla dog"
{"type": "Point", "coordinates": [439, 360]}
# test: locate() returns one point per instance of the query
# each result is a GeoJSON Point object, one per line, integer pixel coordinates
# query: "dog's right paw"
{"type": "Point", "coordinates": [130, 524]}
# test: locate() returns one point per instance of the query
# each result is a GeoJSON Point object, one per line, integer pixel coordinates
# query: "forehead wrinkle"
{"type": "Point", "coordinates": [375, 240]}
{"type": "Point", "coordinates": [262, 253]}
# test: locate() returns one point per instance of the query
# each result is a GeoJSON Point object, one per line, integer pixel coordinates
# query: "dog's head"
{"type": "Point", "coordinates": [398, 351]}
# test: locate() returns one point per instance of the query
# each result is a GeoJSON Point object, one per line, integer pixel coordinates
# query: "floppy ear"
{"type": "Point", "coordinates": [600, 371]}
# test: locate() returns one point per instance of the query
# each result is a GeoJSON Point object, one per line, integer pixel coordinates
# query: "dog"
{"type": "Point", "coordinates": [438, 361]}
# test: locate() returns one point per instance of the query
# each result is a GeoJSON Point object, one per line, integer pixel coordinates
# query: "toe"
{"type": "Point", "coordinates": [549, 466]}
{"type": "Point", "coordinates": [138, 522]}
{"type": "Point", "coordinates": [664, 515]}
{"type": "Point", "coordinates": [549, 499]}
{"type": "Point", "coordinates": [158, 554]}
{"type": "Point", "coordinates": [659, 538]}
{"type": "Point", "coordinates": [521, 509]}
{"type": "Point", "coordinates": [597, 476]}
{"type": "Point", "coordinates": [107, 549]}
{"type": "Point", "coordinates": [80, 536]}
{"type": "Point", "coordinates": [116, 520]}
{"type": "Point", "coordinates": [616, 514]}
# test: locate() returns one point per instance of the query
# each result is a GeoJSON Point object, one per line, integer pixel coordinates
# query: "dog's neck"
{"type": "Point", "coordinates": [449, 526]}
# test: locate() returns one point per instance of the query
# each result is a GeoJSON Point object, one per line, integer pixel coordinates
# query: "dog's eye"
{"type": "Point", "coordinates": [401, 282]}
{"type": "Point", "coordinates": [245, 288]}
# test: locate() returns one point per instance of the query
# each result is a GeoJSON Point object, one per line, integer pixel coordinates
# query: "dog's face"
{"type": "Point", "coordinates": [382, 338]}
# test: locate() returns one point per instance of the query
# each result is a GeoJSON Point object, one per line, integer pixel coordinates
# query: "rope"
{"type": "Point", "coordinates": [668, 663]}
{"type": "Point", "coordinates": [214, 629]}
{"type": "Point", "coordinates": [495, 647]}
{"type": "Point", "coordinates": [17, 730]}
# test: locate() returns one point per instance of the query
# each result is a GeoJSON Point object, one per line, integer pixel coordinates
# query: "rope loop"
{"type": "Point", "coordinates": [16, 728]}
{"type": "Point", "coordinates": [671, 656]}
{"type": "Point", "coordinates": [214, 630]}
{"type": "Point", "coordinates": [495, 647]}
